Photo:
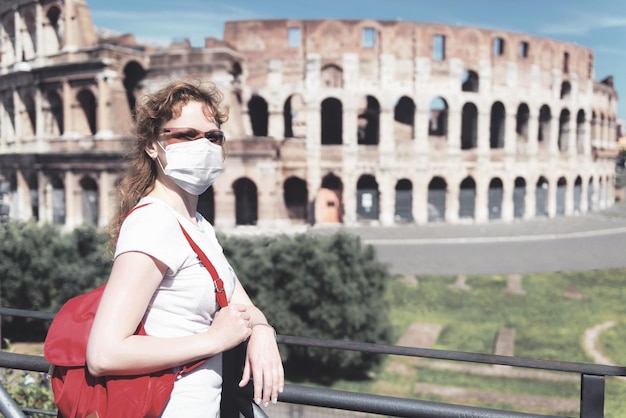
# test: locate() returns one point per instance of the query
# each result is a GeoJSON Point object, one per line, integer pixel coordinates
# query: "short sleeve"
{"type": "Point", "coordinates": [153, 230]}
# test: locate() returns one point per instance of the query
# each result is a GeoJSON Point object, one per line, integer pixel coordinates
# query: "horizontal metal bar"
{"type": "Point", "coordinates": [553, 365]}
{"type": "Point", "coordinates": [23, 362]}
{"type": "Point", "coordinates": [383, 405]}
{"type": "Point", "coordinates": [27, 314]}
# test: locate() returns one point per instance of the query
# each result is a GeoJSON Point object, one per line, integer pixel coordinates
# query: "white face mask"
{"type": "Point", "coordinates": [194, 165]}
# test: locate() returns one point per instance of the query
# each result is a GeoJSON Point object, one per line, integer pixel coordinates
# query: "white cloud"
{"type": "Point", "coordinates": [582, 24]}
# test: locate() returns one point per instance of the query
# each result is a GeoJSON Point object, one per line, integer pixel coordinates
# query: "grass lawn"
{"type": "Point", "coordinates": [549, 319]}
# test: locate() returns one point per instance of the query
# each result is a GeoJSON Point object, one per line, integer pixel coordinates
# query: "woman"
{"type": "Point", "coordinates": [157, 277]}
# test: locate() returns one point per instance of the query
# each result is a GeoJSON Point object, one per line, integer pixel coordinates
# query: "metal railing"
{"type": "Point", "coordinates": [237, 400]}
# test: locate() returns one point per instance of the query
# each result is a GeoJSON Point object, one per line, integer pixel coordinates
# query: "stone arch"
{"type": "Point", "coordinates": [53, 114]}
{"type": "Point", "coordinates": [246, 202]}
{"type": "Point", "coordinates": [89, 200]}
{"type": "Point", "coordinates": [52, 29]}
{"type": "Point", "coordinates": [367, 206]}
{"type": "Point", "coordinates": [332, 121]}
{"type": "Point", "coordinates": [469, 126]}
{"type": "Point", "coordinates": [467, 198]}
{"type": "Point", "coordinates": [368, 122]}
{"type": "Point", "coordinates": [578, 183]}
{"type": "Point", "coordinates": [87, 102]}
{"type": "Point", "coordinates": [8, 41]}
{"type": "Point", "coordinates": [259, 115]}
{"type": "Point", "coordinates": [590, 195]}
{"type": "Point", "coordinates": [496, 130]}
{"type": "Point", "coordinates": [58, 198]}
{"type": "Point", "coordinates": [470, 81]}
{"type": "Point", "coordinates": [332, 76]}
{"type": "Point", "coordinates": [494, 200]}
{"type": "Point", "coordinates": [438, 117]}
{"type": "Point", "coordinates": [564, 133]}
{"type": "Point", "coordinates": [521, 123]}
{"type": "Point", "coordinates": [541, 197]}
{"type": "Point", "coordinates": [294, 117]}
{"type": "Point", "coordinates": [404, 201]}
{"type": "Point", "coordinates": [580, 131]}
{"type": "Point", "coordinates": [29, 118]}
{"type": "Point", "coordinates": [296, 198]}
{"type": "Point", "coordinates": [29, 37]}
{"type": "Point", "coordinates": [133, 74]}
{"type": "Point", "coordinates": [404, 118]}
{"type": "Point", "coordinates": [437, 191]}
{"type": "Point", "coordinates": [545, 120]}
{"type": "Point", "coordinates": [519, 198]}
{"type": "Point", "coordinates": [328, 204]}
{"type": "Point", "coordinates": [566, 90]}
{"type": "Point", "coordinates": [561, 192]}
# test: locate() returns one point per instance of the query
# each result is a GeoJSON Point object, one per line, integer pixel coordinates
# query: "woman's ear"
{"type": "Point", "coordinates": [151, 150]}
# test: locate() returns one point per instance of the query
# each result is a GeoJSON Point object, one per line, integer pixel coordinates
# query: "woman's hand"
{"type": "Point", "coordinates": [231, 325]}
{"type": "Point", "coordinates": [264, 365]}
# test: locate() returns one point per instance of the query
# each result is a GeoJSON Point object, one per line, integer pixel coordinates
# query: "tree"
{"type": "Point", "coordinates": [41, 267]}
{"type": "Point", "coordinates": [316, 286]}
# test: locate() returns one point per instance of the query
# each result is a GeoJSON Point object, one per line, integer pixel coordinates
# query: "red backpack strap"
{"type": "Point", "coordinates": [220, 293]}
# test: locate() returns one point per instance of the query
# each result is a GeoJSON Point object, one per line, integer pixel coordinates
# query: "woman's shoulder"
{"type": "Point", "coordinates": [151, 213]}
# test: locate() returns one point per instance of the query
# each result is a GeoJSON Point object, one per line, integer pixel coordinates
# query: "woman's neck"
{"type": "Point", "coordinates": [182, 202]}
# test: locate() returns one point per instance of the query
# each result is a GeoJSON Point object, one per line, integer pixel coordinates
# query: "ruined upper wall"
{"type": "Point", "coordinates": [477, 49]}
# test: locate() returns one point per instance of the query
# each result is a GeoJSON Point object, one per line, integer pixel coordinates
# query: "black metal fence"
{"type": "Point", "coordinates": [238, 401]}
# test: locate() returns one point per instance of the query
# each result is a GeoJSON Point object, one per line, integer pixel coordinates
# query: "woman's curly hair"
{"type": "Point", "coordinates": [150, 114]}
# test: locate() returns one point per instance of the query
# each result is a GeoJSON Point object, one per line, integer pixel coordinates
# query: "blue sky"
{"type": "Point", "coordinates": [596, 24]}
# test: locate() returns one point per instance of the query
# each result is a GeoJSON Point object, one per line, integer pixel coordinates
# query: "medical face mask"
{"type": "Point", "coordinates": [194, 165]}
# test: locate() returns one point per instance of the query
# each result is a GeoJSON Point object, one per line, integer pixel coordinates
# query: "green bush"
{"type": "Point", "coordinates": [40, 268]}
{"type": "Point", "coordinates": [316, 286]}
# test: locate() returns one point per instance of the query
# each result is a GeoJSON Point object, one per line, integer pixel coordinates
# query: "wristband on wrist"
{"type": "Point", "coordinates": [265, 325]}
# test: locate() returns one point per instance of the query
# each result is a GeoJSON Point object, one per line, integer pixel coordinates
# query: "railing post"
{"type": "Point", "coordinates": [591, 396]}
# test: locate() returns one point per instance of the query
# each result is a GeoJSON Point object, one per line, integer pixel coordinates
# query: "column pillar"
{"type": "Point", "coordinates": [68, 111]}
{"type": "Point", "coordinates": [483, 146]}
{"type": "Point", "coordinates": [349, 199]}
{"type": "Point", "coordinates": [225, 208]}
{"type": "Point", "coordinates": [19, 41]}
{"type": "Point", "coordinates": [72, 196]}
{"type": "Point", "coordinates": [452, 201]}
{"type": "Point", "coordinates": [533, 129]}
{"type": "Point", "coordinates": [39, 120]}
{"type": "Point", "coordinates": [481, 202]}
{"type": "Point", "coordinates": [103, 130]}
{"type": "Point", "coordinates": [420, 132]}
{"type": "Point", "coordinates": [387, 199]}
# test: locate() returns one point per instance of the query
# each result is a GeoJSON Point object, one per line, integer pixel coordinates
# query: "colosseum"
{"type": "Point", "coordinates": [331, 121]}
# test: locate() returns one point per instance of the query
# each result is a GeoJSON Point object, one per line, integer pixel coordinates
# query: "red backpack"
{"type": "Point", "coordinates": [77, 393]}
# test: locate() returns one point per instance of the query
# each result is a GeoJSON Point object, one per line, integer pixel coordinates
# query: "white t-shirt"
{"type": "Point", "coordinates": [185, 302]}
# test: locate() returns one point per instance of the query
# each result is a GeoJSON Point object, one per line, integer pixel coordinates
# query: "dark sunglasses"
{"type": "Point", "coordinates": [216, 136]}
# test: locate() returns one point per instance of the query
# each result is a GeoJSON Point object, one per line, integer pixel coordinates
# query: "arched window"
{"type": "Point", "coordinates": [90, 201]}
{"type": "Point", "coordinates": [469, 82]}
{"type": "Point", "coordinates": [404, 201]}
{"type": "Point", "coordinates": [367, 198]}
{"type": "Point", "coordinates": [467, 198]}
{"type": "Point", "coordinates": [404, 119]}
{"type": "Point", "coordinates": [259, 116]}
{"type": "Point", "coordinates": [246, 202]}
{"type": "Point", "coordinates": [332, 122]}
{"type": "Point", "coordinates": [368, 122]}
{"type": "Point", "coordinates": [494, 204]}
{"type": "Point", "coordinates": [496, 136]}
{"type": "Point", "coordinates": [437, 189]}
{"type": "Point", "coordinates": [296, 198]}
{"type": "Point", "coordinates": [469, 126]}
